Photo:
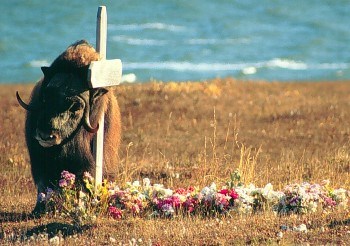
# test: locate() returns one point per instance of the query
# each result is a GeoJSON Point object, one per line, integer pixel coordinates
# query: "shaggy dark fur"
{"type": "Point", "coordinates": [56, 135]}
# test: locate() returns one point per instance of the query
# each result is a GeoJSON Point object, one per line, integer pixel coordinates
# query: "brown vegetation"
{"type": "Point", "coordinates": [182, 134]}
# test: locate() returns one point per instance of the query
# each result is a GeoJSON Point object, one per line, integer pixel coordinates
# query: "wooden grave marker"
{"type": "Point", "coordinates": [102, 73]}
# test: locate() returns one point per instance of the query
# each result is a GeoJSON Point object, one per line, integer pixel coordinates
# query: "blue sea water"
{"type": "Point", "coordinates": [184, 40]}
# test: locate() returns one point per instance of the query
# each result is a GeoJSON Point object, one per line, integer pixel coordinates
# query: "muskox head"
{"type": "Point", "coordinates": [64, 102]}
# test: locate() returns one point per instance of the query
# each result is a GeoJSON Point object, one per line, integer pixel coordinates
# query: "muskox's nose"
{"type": "Point", "coordinates": [47, 139]}
{"type": "Point", "coordinates": [52, 137]}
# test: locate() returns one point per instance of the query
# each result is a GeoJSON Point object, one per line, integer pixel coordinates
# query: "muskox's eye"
{"type": "Point", "coordinates": [75, 107]}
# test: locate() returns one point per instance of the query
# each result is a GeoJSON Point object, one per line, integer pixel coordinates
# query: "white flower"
{"type": "Point", "coordinates": [301, 228]}
{"type": "Point", "coordinates": [82, 194]}
{"type": "Point", "coordinates": [244, 208]}
{"type": "Point", "coordinates": [168, 192]}
{"type": "Point", "coordinates": [113, 189]}
{"type": "Point", "coordinates": [94, 202]}
{"type": "Point", "coordinates": [132, 241]}
{"type": "Point", "coordinates": [158, 186]}
{"type": "Point", "coordinates": [244, 195]}
{"type": "Point", "coordinates": [49, 193]}
{"type": "Point", "coordinates": [312, 206]}
{"type": "Point", "coordinates": [146, 182]}
{"type": "Point", "coordinates": [208, 193]}
{"type": "Point", "coordinates": [136, 183]}
{"type": "Point", "coordinates": [340, 194]}
{"type": "Point", "coordinates": [213, 186]}
{"type": "Point", "coordinates": [267, 190]}
{"type": "Point", "coordinates": [168, 209]}
{"type": "Point", "coordinates": [141, 197]}
{"type": "Point", "coordinates": [54, 240]}
{"type": "Point", "coordinates": [41, 197]}
{"type": "Point", "coordinates": [81, 205]}
{"type": "Point", "coordinates": [341, 197]}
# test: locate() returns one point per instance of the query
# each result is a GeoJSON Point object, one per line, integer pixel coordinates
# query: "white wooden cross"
{"type": "Point", "coordinates": [102, 73]}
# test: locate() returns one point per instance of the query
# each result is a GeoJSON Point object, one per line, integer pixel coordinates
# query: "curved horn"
{"type": "Point", "coordinates": [86, 119]}
{"type": "Point", "coordinates": [23, 104]}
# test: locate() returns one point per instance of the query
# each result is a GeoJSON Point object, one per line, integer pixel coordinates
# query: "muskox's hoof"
{"type": "Point", "coordinates": [39, 210]}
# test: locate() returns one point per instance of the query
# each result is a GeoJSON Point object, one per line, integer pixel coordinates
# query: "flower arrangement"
{"type": "Point", "coordinates": [83, 203]}
{"type": "Point", "coordinates": [306, 197]}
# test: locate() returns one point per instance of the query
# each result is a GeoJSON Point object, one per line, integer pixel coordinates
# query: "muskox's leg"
{"type": "Point", "coordinates": [40, 205]}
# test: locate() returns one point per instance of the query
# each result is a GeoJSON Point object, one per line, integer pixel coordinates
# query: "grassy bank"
{"type": "Point", "coordinates": [182, 134]}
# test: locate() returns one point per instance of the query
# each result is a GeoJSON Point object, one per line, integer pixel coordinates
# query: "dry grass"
{"type": "Point", "coordinates": [183, 134]}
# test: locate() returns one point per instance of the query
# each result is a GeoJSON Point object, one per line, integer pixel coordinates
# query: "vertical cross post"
{"type": "Point", "coordinates": [102, 73]}
{"type": "Point", "coordinates": [101, 48]}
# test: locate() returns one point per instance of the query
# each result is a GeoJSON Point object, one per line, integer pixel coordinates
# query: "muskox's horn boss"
{"type": "Point", "coordinates": [62, 118]}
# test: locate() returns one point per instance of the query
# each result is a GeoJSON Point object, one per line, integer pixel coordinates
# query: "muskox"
{"type": "Point", "coordinates": [62, 119]}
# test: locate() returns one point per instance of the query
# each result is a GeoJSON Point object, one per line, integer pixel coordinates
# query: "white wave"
{"type": "Point", "coordinates": [249, 70]}
{"type": "Point", "coordinates": [39, 63]}
{"type": "Point", "coordinates": [288, 64]}
{"type": "Point", "coordinates": [154, 25]}
{"type": "Point", "coordinates": [138, 41]}
{"type": "Point", "coordinates": [161, 42]}
{"type": "Point", "coordinates": [184, 66]}
{"type": "Point", "coordinates": [204, 41]}
{"type": "Point", "coordinates": [298, 65]}
{"type": "Point", "coordinates": [128, 78]}
{"type": "Point", "coordinates": [245, 68]}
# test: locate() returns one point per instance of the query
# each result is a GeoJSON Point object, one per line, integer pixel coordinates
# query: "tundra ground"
{"type": "Point", "coordinates": [194, 133]}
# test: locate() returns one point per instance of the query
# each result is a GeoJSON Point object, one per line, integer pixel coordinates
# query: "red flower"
{"type": "Point", "coordinates": [181, 191]}
{"type": "Point", "coordinates": [224, 192]}
{"type": "Point", "coordinates": [234, 194]}
{"type": "Point", "coordinates": [114, 212]}
{"type": "Point", "coordinates": [191, 189]}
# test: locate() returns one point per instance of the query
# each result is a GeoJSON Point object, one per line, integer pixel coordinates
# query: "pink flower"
{"type": "Point", "coordinates": [135, 208]}
{"type": "Point", "coordinates": [222, 200]}
{"type": "Point", "coordinates": [190, 204]}
{"type": "Point", "coordinates": [67, 180]}
{"type": "Point", "coordinates": [173, 201]}
{"type": "Point", "coordinates": [330, 202]}
{"type": "Point", "coordinates": [88, 177]}
{"type": "Point", "coordinates": [114, 212]}
{"type": "Point", "coordinates": [63, 183]}
{"type": "Point", "coordinates": [176, 201]}
{"type": "Point", "coordinates": [161, 203]}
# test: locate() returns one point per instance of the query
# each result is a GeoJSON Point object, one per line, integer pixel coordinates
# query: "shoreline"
{"type": "Point", "coordinates": [207, 80]}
